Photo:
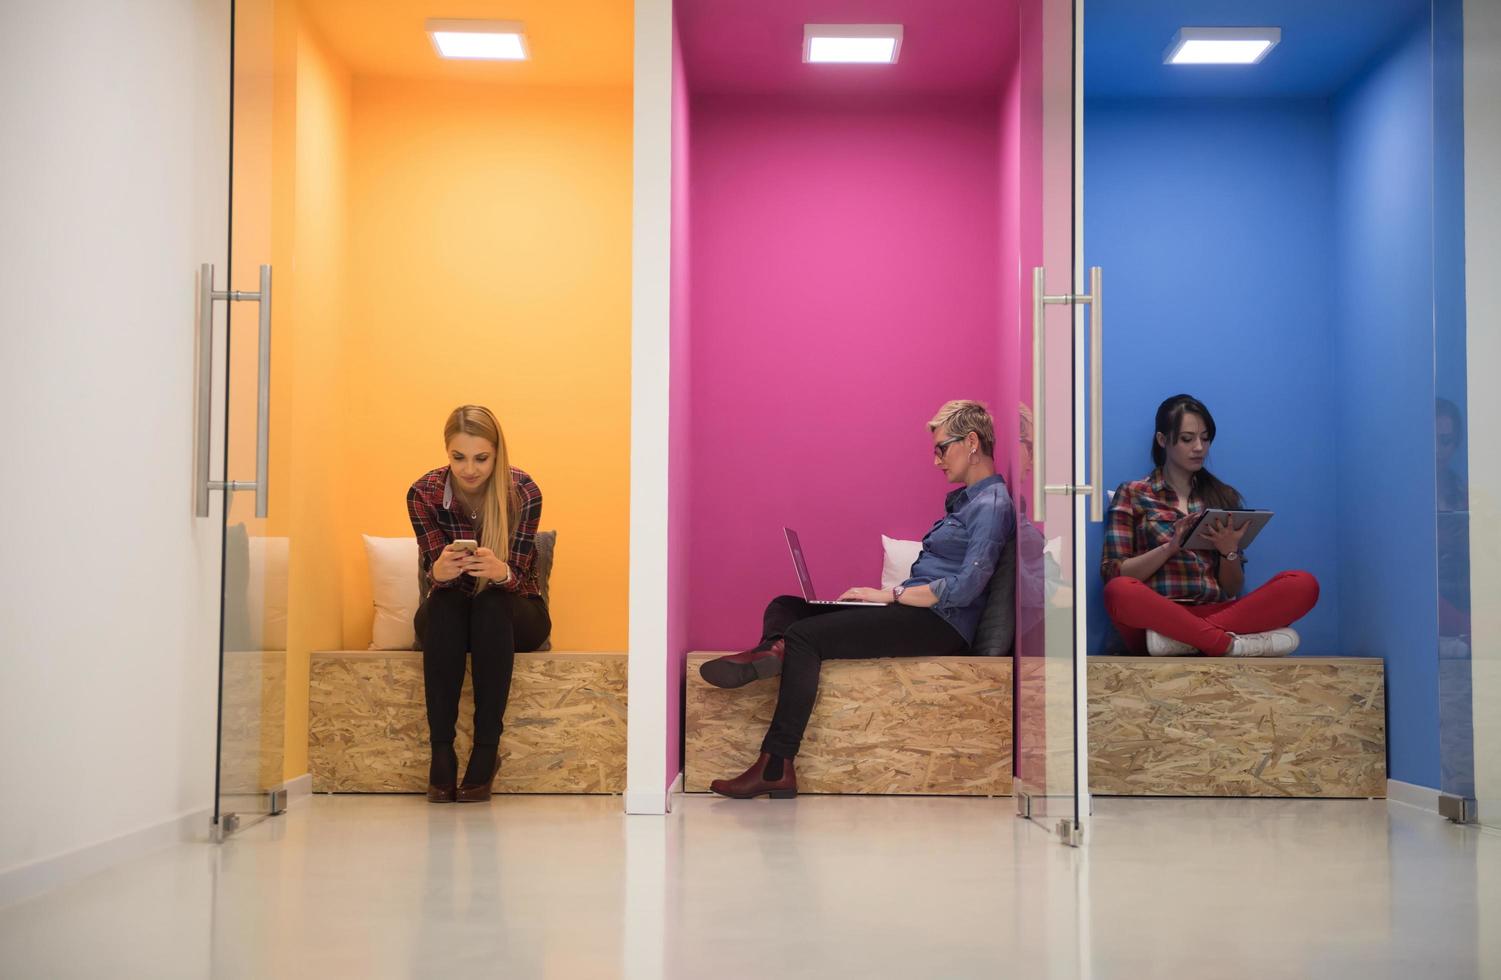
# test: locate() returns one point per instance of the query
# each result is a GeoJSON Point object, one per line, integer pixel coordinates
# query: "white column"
{"type": "Point", "coordinates": [1482, 58]}
{"type": "Point", "coordinates": [647, 736]}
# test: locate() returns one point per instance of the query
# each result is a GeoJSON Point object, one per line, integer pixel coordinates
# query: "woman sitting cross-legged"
{"type": "Point", "coordinates": [1166, 600]}
{"type": "Point", "coordinates": [932, 613]}
{"type": "Point", "coordinates": [476, 525]}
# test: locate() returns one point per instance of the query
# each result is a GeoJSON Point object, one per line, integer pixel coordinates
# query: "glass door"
{"type": "Point", "coordinates": [1051, 761]}
{"type": "Point", "coordinates": [253, 624]}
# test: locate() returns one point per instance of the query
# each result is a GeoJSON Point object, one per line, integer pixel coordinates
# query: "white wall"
{"type": "Point", "coordinates": [1482, 58]}
{"type": "Point", "coordinates": [113, 172]}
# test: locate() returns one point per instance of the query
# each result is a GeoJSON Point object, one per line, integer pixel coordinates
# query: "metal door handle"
{"type": "Point", "coordinates": [263, 395]}
{"type": "Point", "coordinates": [1039, 402]}
{"type": "Point", "coordinates": [1040, 301]}
{"type": "Point", "coordinates": [207, 296]}
{"type": "Point", "coordinates": [204, 390]}
{"type": "Point", "coordinates": [1096, 397]}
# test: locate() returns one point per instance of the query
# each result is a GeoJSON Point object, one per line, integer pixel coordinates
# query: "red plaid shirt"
{"type": "Point", "coordinates": [1141, 518]}
{"type": "Point", "coordinates": [439, 519]}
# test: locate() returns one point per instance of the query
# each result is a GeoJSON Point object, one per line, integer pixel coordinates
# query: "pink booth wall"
{"type": "Point", "coordinates": [845, 259]}
{"type": "Point", "coordinates": [844, 285]}
{"type": "Point", "coordinates": [680, 426]}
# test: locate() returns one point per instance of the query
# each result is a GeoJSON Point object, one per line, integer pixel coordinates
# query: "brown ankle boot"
{"type": "Point", "coordinates": [446, 790]}
{"type": "Point", "coordinates": [753, 782]}
{"type": "Point", "coordinates": [739, 669]}
{"type": "Point", "coordinates": [478, 791]}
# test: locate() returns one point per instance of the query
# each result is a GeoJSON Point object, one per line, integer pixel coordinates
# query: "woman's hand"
{"type": "Point", "coordinates": [450, 563]}
{"type": "Point", "coordinates": [1224, 536]}
{"type": "Point", "coordinates": [1180, 535]}
{"type": "Point", "coordinates": [867, 595]}
{"type": "Point", "coordinates": [484, 564]}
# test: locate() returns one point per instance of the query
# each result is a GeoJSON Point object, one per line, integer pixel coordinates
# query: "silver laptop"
{"type": "Point", "coordinates": [807, 583]}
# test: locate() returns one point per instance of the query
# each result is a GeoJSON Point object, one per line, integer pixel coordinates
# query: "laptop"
{"type": "Point", "coordinates": [803, 580]}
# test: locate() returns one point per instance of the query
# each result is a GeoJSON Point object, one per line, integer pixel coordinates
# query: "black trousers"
{"type": "Point", "coordinates": [814, 634]}
{"type": "Point", "coordinates": [491, 627]}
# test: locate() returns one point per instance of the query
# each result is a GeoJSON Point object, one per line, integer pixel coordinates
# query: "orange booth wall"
{"type": "Point", "coordinates": [439, 242]}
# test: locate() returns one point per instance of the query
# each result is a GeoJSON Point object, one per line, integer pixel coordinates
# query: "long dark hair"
{"type": "Point", "coordinates": [1209, 488]}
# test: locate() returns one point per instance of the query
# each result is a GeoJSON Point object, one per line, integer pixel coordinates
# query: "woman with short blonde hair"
{"type": "Point", "coordinates": [933, 613]}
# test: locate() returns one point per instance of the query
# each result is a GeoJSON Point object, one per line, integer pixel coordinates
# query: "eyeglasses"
{"type": "Point", "coordinates": [940, 448]}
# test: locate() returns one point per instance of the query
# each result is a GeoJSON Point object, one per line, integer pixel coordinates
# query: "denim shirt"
{"type": "Point", "coordinates": [960, 553]}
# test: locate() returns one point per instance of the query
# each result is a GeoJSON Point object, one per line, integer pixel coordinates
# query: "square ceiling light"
{"type": "Point", "coordinates": [479, 40]}
{"type": "Point", "coordinates": [1221, 45]}
{"type": "Point", "coordinates": [852, 44]}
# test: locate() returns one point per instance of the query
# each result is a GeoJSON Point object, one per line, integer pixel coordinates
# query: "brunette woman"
{"type": "Point", "coordinates": [1166, 600]}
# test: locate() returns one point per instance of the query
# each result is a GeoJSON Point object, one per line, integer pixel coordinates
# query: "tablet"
{"type": "Point", "coordinates": [1255, 520]}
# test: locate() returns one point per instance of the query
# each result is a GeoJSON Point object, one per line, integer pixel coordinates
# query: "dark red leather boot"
{"type": "Point", "coordinates": [753, 782]}
{"type": "Point", "coordinates": [739, 669]}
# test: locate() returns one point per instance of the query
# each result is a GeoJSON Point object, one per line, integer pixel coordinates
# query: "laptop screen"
{"type": "Point", "coordinates": [796, 548]}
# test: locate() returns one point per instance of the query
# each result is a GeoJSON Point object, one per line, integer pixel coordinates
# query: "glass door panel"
{"type": "Point", "coordinates": [252, 693]}
{"type": "Point", "coordinates": [1050, 782]}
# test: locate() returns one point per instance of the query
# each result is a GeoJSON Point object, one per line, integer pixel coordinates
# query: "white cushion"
{"type": "Point", "coordinates": [897, 559]}
{"type": "Point", "coordinates": [266, 592]}
{"type": "Point", "coordinates": [393, 587]}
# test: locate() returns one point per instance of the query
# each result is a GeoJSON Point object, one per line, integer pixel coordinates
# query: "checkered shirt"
{"type": "Point", "coordinates": [439, 519]}
{"type": "Point", "coordinates": [1142, 515]}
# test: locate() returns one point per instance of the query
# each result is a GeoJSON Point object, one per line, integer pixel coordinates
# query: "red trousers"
{"type": "Point", "coordinates": [1135, 607]}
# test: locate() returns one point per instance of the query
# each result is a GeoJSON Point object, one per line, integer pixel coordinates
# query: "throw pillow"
{"type": "Point", "coordinates": [897, 559]}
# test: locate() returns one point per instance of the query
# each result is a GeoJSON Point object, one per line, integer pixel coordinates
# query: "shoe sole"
{"type": "Point", "coordinates": [1290, 633]}
{"type": "Point", "coordinates": [1190, 652]}
{"type": "Point", "coordinates": [728, 674]}
{"type": "Point", "coordinates": [776, 794]}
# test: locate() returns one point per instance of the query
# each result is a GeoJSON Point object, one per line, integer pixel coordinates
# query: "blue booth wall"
{"type": "Point", "coordinates": [1383, 180]}
{"type": "Point", "coordinates": [1214, 223]}
{"type": "Point", "coordinates": [1274, 258]}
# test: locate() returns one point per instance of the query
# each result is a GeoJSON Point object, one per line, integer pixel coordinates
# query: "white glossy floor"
{"type": "Point", "coordinates": [816, 887]}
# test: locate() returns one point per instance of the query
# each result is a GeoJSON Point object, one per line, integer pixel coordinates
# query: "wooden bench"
{"type": "Point", "coordinates": [564, 732]}
{"type": "Point", "coordinates": [933, 726]}
{"type": "Point", "coordinates": [1220, 726]}
{"type": "Point", "coordinates": [1312, 727]}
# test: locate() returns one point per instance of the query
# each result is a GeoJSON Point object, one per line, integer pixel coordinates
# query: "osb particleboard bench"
{"type": "Point", "coordinates": [917, 726]}
{"type": "Point", "coordinates": [565, 723]}
{"type": "Point", "coordinates": [1213, 726]}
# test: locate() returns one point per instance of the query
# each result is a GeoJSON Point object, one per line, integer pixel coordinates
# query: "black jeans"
{"type": "Point", "coordinates": [491, 626]}
{"type": "Point", "coordinates": [814, 634]}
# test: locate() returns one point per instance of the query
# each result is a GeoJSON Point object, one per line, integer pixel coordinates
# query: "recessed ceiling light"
{"type": "Point", "coordinates": [1221, 45]}
{"type": "Point", "coordinates": [852, 44]}
{"type": "Point", "coordinates": [491, 40]}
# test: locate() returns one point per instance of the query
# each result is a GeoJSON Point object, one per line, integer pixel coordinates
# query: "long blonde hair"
{"type": "Point", "coordinates": [495, 521]}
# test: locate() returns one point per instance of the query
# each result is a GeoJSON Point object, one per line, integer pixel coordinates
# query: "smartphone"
{"type": "Point", "coordinates": [467, 544]}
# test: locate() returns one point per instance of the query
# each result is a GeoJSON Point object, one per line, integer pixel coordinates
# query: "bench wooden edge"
{"type": "Point", "coordinates": [330, 655]}
{"type": "Point", "coordinates": [1241, 663]}
{"type": "Point", "coordinates": [698, 656]}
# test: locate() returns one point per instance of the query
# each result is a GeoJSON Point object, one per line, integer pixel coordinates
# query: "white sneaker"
{"type": "Point", "coordinates": [1165, 646]}
{"type": "Point", "coordinates": [1273, 643]}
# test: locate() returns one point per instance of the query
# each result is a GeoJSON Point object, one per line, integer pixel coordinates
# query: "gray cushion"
{"type": "Point", "coordinates": [546, 544]}
{"type": "Point", "coordinates": [997, 629]}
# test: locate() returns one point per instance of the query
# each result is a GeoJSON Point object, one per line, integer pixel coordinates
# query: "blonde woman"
{"type": "Point", "coordinates": [484, 601]}
{"type": "Point", "coordinates": [934, 612]}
